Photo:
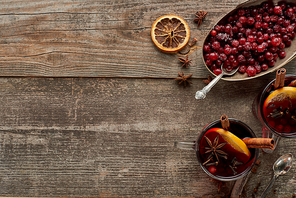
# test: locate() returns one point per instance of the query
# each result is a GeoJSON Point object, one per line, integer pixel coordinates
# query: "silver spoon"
{"type": "Point", "coordinates": [202, 93]}
{"type": "Point", "coordinates": [280, 167]}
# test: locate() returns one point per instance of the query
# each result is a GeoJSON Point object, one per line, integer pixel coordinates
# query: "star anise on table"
{"type": "Point", "coordinates": [200, 15]}
{"type": "Point", "coordinates": [215, 150]}
{"type": "Point", "coordinates": [184, 79]}
{"type": "Point", "coordinates": [208, 80]}
{"type": "Point", "coordinates": [186, 62]}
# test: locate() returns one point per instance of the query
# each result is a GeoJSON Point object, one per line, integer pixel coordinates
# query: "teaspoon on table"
{"type": "Point", "coordinates": [202, 93]}
{"type": "Point", "coordinates": [280, 167]}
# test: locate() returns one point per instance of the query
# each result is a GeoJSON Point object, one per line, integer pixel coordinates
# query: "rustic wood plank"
{"type": "Point", "coordinates": [115, 137]}
{"type": "Point", "coordinates": [97, 38]}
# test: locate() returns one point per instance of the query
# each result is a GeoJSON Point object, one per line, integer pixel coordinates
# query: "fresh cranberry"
{"type": "Point", "coordinates": [282, 54]}
{"type": "Point", "coordinates": [288, 43]}
{"type": "Point", "coordinates": [258, 25]}
{"type": "Point", "coordinates": [273, 49]}
{"type": "Point", "coordinates": [218, 63]}
{"type": "Point", "coordinates": [290, 28]}
{"type": "Point", "coordinates": [261, 58]}
{"type": "Point", "coordinates": [222, 57]}
{"type": "Point", "coordinates": [206, 48]}
{"type": "Point", "coordinates": [282, 46]}
{"type": "Point", "coordinates": [242, 19]}
{"type": "Point", "coordinates": [234, 63]}
{"type": "Point", "coordinates": [251, 61]}
{"type": "Point", "coordinates": [216, 45]}
{"type": "Point", "coordinates": [266, 19]}
{"type": "Point", "coordinates": [217, 71]}
{"type": "Point", "coordinates": [276, 41]}
{"type": "Point", "coordinates": [213, 32]}
{"type": "Point", "coordinates": [209, 62]}
{"type": "Point", "coordinates": [251, 38]}
{"type": "Point", "coordinates": [235, 43]}
{"type": "Point", "coordinates": [254, 46]}
{"type": "Point", "coordinates": [242, 69]}
{"type": "Point", "coordinates": [247, 46]}
{"type": "Point", "coordinates": [258, 18]}
{"type": "Point", "coordinates": [242, 41]}
{"type": "Point", "coordinates": [273, 18]}
{"type": "Point", "coordinates": [275, 56]}
{"type": "Point", "coordinates": [239, 24]}
{"type": "Point", "coordinates": [234, 51]}
{"type": "Point", "coordinates": [264, 66]}
{"type": "Point", "coordinates": [260, 40]}
{"type": "Point", "coordinates": [258, 69]}
{"type": "Point", "coordinates": [271, 63]}
{"type": "Point", "coordinates": [250, 21]}
{"type": "Point", "coordinates": [235, 29]}
{"type": "Point", "coordinates": [241, 58]}
{"type": "Point", "coordinates": [227, 50]}
{"type": "Point", "coordinates": [217, 28]}
{"type": "Point", "coordinates": [268, 56]}
{"type": "Point", "coordinates": [251, 71]}
{"type": "Point", "coordinates": [277, 10]}
{"type": "Point", "coordinates": [213, 56]}
{"type": "Point", "coordinates": [264, 25]}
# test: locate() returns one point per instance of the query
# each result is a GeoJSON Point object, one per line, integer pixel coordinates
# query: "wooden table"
{"type": "Point", "coordinates": [90, 107]}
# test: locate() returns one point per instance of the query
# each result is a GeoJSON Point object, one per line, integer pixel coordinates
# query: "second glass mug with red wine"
{"type": "Point", "coordinates": [222, 154]}
{"type": "Point", "coordinates": [276, 109]}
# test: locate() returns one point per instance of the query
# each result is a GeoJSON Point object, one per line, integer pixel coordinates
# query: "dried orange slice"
{"type": "Point", "coordinates": [170, 33]}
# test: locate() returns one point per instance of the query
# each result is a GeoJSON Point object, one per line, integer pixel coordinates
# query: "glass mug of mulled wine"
{"type": "Point", "coordinates": [221, 153]}
{"type": "Point", "coordinates": [275, 107]}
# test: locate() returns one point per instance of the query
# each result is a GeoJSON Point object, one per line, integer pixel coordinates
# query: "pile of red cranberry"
{"type": "Point", "coordinates": [252, 39]}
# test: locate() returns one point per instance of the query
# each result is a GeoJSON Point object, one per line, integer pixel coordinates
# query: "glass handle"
{"type": "Point", "coordinates": [187, 144]}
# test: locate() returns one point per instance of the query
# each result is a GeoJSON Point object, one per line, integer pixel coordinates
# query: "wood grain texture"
{"type": "Point", "coordinates": [86, 38]}
{"type": "Point", "coordinates": [115, 137]}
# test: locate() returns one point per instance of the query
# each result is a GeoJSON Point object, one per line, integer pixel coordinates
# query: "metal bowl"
{"type": "Point", "coordinates": [290, 51]}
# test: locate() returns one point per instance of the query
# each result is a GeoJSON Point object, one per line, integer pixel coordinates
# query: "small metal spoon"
{"type": "Point", "coordinates": [280, 167]}
{"type": "Point", "coordinates": [202, 93]}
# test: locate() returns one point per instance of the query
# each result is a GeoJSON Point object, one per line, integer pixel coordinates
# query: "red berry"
{"type": "Point", "coordinates": [279, 128]}
{"type": "Point", "coordinates": [242, 69]}
{"type": "Point", "coordinates": [212, 169]}
{"type": "Point", "coordinates": [217, 71]}
{"type": "Point", "coordinates": [235, 43]}
{"type": "Point", "coordinates": [243, 19]}
{"type": "Point", "coordinates": [282, 54]}
{"type": "Point", "coordinates": [277, 10]}
{"type": "Point", "coordinates": [268, 56]}
{"type": "Point", "coordinates": [216, 45]}
{"type": "Point", "coordinates": [251, 71]}
{"type": "Point", "coordinates": [213, 56]}
{"type": "Point", "coordinates": [213, 32]}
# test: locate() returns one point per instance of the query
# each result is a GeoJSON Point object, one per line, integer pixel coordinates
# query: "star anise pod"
{"type": "Point", "coordinates": [184, 79]}
{"type": "Point", "coordinates": [186, 62]}
{"type": "Point", "coordinates": [208, 80]}
{"type": "Point", "coordinates": [214, 148]}
{"type": "Point", "coordinates": [200, 15]}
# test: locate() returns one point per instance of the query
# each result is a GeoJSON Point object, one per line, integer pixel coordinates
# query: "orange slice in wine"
{"type": "Point", "coordinates": [235, 144]}
{"type": "Point", "coordinates": [170, 33]}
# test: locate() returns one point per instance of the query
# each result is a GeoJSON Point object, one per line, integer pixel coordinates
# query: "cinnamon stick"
{"type": "Point", "coordinates": [283, 75]}
{"type": "Point", "coordinates": [225, 122]}
{"type": "Point", "coordinates": [266, 143]}
{"type": "Point", "coordinates": [277, 79]}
